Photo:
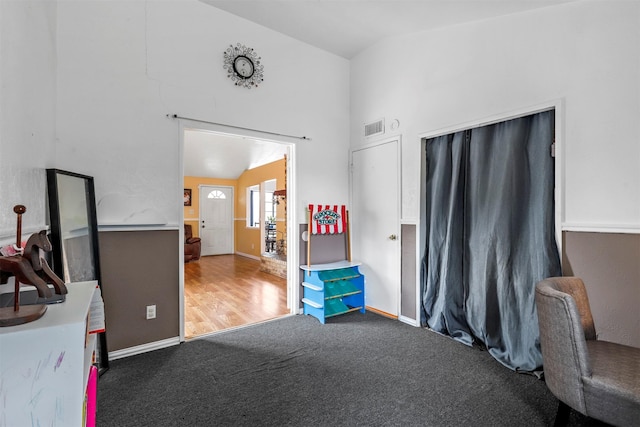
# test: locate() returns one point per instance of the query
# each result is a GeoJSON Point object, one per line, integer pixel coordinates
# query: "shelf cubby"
{"type": "Point", "coordinates": [332, 289]}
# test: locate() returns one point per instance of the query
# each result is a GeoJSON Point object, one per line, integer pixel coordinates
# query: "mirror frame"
{"type": "Point", "coordinates": [58, 247]}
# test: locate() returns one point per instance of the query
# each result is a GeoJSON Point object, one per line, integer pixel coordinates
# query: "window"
{"type": "Point", "coordinates": [253, 207]}
{"type": "Point", "coordinates": [216, 194]}
{"type": "Point", "coordinates": [269, 207]}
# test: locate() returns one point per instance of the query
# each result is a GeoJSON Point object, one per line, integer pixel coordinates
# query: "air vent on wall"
{"type": "Point", "coordinates": [374, 128]}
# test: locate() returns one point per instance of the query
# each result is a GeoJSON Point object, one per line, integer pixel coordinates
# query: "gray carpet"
{"type": "Point", "coordinates": [357, 370]}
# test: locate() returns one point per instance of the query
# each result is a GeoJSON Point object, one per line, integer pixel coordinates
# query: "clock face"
{"type": "Point", "coordinates": [243, 66]}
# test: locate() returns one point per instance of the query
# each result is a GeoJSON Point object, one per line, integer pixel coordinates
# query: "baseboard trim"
{"type": "Point", "coordinates": [143, 348]}
{"type": "Point", "coordinates": [257, 258]}
{"type": "Point", "coordinates": [381, 313]}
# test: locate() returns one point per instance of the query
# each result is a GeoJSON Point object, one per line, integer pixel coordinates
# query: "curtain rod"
{"type": "Point", "coordinates": [175, 116]}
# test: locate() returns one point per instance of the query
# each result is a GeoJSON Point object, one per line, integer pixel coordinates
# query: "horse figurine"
{"type": "Point", "coordinates": [30, 269]}
{"type": "Point", "coordinates": [36, 242]}
{"type": "Point", "coordinates": [20, 268]}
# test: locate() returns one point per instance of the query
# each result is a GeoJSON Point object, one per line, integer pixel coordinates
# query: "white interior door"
{"type": "Point", "coordinates": [375, 223]}
{"type": "Point", "coordinates": [216, 219]}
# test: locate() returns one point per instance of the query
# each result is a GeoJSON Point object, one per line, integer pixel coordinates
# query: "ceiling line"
{"type": "Point", "coordinates": [175, 116]}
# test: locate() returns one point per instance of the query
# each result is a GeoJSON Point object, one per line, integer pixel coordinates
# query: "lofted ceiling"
{"type": "Point", "coordinates": [214, 155]}
{"type": "Point", "coordinates": [346, 27]}
{"type": "Point", "coordinates": [341, 27]}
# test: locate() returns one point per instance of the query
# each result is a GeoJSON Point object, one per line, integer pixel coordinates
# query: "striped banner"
{"type": "Point", "coordinates": [328, 219]}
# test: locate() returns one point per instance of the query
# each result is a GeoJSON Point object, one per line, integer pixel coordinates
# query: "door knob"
{"type": "Point", "coordinates": [393, 237]}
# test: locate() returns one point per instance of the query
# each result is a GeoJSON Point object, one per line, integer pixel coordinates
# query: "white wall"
{"type": "Point", "coordinates": [27, 111]}
{"type": "Point", "coordinates": [585, 53]}
{"type": "Point", "coordinates": [123, 66]}
{"type": "Point", "coordinates": [105, 74]}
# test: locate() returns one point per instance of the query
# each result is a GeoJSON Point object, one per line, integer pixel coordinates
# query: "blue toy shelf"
{"type": "Point", "coordinates": [332, 289]}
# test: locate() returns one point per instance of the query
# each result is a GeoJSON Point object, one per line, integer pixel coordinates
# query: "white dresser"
{"type": "Point", "coordinates": [44, 365]}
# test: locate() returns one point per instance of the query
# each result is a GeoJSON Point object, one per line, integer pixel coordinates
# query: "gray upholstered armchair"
{"type": "Point", "coordinates": [599, 379]}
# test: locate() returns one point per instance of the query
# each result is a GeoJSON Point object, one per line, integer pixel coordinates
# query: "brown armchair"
{"type": "Point", "coordinates": [191, 245]}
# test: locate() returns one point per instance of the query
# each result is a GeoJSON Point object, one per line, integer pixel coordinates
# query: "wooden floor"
{"type": "Point", "coordinates": [224, 291]}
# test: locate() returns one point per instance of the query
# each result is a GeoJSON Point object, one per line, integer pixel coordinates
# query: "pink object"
{"type": "Point", "coordinates": [92, 392]}
{"type": "Point", "coordinates": [11, 250]}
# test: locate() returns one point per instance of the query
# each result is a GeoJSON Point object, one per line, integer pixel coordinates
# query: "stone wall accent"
{"type": "Point", "coordinates": [275, 266]}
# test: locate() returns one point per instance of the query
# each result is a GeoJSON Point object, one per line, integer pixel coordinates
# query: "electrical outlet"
{"type": "Point", "coordinates": [151, 312]}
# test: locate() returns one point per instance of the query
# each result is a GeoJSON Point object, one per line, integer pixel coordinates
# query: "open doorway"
{"type": "Point", "coordinates": [241, 286]}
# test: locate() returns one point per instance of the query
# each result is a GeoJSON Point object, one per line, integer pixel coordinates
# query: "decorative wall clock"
{"type": "Point", "coordinates": [243, 66]}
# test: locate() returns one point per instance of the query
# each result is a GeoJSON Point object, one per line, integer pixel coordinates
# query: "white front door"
{"type": "Point", "coordinates": [216, 219]}
{"type": "Point", "coordinates": [375, 223]}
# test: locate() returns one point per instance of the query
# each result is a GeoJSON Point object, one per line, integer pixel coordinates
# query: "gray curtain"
{"type": "Point", "coordinates": [490, 236]}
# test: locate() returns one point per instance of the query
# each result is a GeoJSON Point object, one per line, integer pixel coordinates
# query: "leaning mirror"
{"type": "Point", "coordinates": [74, 235]}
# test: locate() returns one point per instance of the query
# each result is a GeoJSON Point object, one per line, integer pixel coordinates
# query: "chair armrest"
{"type": "Point", "coordinates": [193, 240]}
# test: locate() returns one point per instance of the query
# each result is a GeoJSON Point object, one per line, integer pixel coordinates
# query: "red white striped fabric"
{"type": "Point", "coordinates": [328, 219]}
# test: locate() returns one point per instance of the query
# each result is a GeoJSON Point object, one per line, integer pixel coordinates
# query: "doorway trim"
{"type": "Point", "coordinates": [293, 293]}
